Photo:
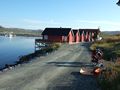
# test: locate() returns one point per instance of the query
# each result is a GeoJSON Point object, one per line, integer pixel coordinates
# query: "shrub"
{"type": "Point", "coordinates": [110, 78]}
{"type": "Point", "coordinates": [55, 46]}
{"type": "Point", "coordinates": [51, 47]}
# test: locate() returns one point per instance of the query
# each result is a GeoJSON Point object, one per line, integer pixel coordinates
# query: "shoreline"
{"type": "Point", "coordinates": [22, 60]}
{"type": "Point", "coordinates": [23, 35]}
{"type": "Point", "coordinates": [26, 59]}
{"type": "Point", "coordinates": [59, 68]}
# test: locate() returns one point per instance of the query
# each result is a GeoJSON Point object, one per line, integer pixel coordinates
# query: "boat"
{"type": "Point", "coordinates": [10, 35]}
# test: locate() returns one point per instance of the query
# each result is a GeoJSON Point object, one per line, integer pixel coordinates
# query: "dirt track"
{"type": "Point", "coordinates": [56, 71]}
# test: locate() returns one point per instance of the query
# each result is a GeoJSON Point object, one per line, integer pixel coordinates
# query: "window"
{"type": "Point", "coordinates": [65, 38]}
{"type": "Point", "coordinates": [45, 37]}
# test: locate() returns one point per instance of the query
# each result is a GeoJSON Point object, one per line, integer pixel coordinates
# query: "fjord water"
{"type": "Point", "coordinates": [12, 48]}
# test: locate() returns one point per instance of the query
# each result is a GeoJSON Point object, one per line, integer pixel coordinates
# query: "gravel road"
{"type": "Point", "coordinates": [56, 71]}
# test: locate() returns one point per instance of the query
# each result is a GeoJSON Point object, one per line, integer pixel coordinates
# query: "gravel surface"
{"type": "Point", "coordinates": [56, 71]}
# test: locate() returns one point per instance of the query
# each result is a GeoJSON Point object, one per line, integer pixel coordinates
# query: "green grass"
{"type": "Point", "coordinates": [52, 47]}
{"type": "Point", "coordinates": [110, 45]}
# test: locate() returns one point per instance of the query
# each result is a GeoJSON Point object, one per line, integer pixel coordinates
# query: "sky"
{"type": "Point", "coordinates": [39, 14]}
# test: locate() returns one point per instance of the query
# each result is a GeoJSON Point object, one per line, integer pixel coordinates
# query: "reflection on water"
{"type": "Point", "coordinates": [12, 48]}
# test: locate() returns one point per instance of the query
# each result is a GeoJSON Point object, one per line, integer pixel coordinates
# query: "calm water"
{"type": "Point", "coordinates": [12, 48]}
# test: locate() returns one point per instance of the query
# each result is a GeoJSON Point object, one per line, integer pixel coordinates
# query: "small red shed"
{"type": "Point", "coordinates": [58, 35]}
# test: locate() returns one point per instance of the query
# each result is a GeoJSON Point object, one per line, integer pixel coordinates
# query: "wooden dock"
{"type": "Point", "coordinates": [41, 44]}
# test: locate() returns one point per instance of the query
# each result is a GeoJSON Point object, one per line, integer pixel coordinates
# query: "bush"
{"type": "Point", "coordinates": [51, 47]}
{"type": "Point", "coordinates": [55, 46]}
{"type": "Point", "coordinates": [110, 78]}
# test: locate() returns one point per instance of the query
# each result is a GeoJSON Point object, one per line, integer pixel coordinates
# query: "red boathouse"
{"type": "Point", "coordinates": [58, 35]}
{"type": "Point", "coordinates": [69, 35]}
{"type": "Point", "coordinates": [88, 35]}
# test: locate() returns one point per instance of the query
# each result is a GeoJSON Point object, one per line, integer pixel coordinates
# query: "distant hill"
{"type": "Point", "coordinates": [106, 34]}
{"type": "Point", "coordinates": [20, 32]}
{"type": "Point", "coordinates": [111, 32]}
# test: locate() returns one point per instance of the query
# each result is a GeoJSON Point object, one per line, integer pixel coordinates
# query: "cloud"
{"type": "Point", "coordinates": [100, 22]}
{"type": "Point", "coordinates": [34, 22]}
{"type": "Point", "coordinates": [104, 25]}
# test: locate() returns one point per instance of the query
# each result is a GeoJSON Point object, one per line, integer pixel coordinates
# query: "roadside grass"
{"type": "Point", "coordinates": [110, 78]}
{"type": "Point", "coordinates": [52, 47]}
{"type": "Point", "coordinates": [110, 45]}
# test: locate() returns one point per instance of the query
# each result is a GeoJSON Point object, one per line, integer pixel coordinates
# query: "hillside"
{"type": "Point", "coordinates": [107, 34]}
{"type": "Point", "coordinates": [20, 32]}
{"type": "Point", "coordinates": [111, 32]}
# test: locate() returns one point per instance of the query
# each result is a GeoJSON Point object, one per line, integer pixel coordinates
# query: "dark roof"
{"type": "Point", "coordinates": [56, 31]}
{"type": "Point", "coordinates": [90, 30]}
{"type": "Point", "coordinates": [74, 31]}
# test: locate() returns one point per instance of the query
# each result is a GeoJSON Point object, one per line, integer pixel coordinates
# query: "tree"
{"type": "Point", "coordinates": [118, 3]}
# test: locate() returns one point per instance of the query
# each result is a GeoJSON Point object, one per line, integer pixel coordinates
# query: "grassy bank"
{"type": "Point", "coordinates": [110, 46]}
{"type": "Point", "coordinates": [110, 79]}
{"type": "Point", "coordinates": [111, 49]}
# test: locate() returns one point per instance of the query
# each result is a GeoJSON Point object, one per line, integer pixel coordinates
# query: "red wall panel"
{"type": "Point", "coordinates": [54, 38]}
{"type": "Point", "coordinates": [77, 38]}
{"type": "Point", "coordinates": [71, 38]}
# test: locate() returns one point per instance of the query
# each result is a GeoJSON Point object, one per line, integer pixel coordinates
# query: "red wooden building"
{"type": "Point", "coordinates": [69, 35]}
{"type": "Point", "coordinates": [58, 35]}
{"type": "Point", "coordinates": [87, 35]}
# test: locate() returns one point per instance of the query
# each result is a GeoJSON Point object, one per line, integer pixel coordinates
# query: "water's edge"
{"type": "Point", "coordinates": [25, 59]}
